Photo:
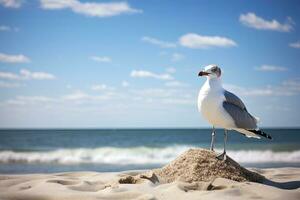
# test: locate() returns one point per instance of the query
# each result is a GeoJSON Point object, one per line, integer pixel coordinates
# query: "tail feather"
{"type": "Point", "coordinates": [261, 133]}
{"type": "Point", "coordinates": [247, 133]}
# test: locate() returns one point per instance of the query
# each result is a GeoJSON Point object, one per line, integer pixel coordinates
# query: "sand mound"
{"type": "Point", "coordinates": [202, 165]}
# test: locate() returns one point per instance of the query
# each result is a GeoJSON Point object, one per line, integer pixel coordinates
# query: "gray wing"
{"type": "Point", "coordinates": [233, 99]}
{"type": "Point", "coordinates": [237, 110]}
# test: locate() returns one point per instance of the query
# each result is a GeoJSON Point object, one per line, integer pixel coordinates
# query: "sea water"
{"type": "Point", "coordinates": [43, 151]}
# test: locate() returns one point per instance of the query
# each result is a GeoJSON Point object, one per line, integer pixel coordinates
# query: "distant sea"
{"type": "Point", "coordinates": [45, 151]}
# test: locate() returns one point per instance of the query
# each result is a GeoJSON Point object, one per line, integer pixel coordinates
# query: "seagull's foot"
{"type": "Point", "coordinates": [222, 156]}
{"type": "Point", "coordinates": [212, 149]}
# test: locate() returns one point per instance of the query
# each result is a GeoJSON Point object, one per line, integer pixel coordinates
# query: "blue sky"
{"type": "Point", "coordinates": [99, 64]}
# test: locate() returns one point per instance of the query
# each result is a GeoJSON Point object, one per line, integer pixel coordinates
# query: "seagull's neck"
{"type": "Point", "coordinates": [214, 84]}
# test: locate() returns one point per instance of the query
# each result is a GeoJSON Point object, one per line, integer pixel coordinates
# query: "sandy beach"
{"type": "Point", "coordinates": [149, 100]}
{"type": "Point", "coordinates": [196, 174]}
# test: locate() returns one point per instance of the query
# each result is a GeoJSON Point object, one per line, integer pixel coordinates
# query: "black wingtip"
{"type": "Point", "coordinates": [261, 133]}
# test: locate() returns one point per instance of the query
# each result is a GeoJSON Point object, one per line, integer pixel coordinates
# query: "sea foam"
{"type": "Point", "coordinates": [137, 156]}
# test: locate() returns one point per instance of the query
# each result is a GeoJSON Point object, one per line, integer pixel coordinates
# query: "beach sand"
{"type": "Point", "coordinates": [196, 174]}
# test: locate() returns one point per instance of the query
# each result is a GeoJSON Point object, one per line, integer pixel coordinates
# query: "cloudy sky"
{"type": "Point", "coordinates": [75, 63]}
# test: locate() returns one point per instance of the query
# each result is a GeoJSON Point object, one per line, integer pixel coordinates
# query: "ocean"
{"type": "Point", "coordinates": [104, 150]}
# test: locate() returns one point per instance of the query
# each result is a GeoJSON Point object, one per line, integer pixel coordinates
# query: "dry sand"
{"type": "Point", "coordinates": [196, 174]}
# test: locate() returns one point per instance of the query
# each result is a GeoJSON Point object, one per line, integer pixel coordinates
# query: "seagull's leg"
{"type": "Point", "coordinates": [212, 139]}
{"type": "Point", "coordinates": [225, 142]}
{"type": "Point", "coordinates": [222, 156]}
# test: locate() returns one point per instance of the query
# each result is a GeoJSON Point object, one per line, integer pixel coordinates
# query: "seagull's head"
{"type": "Point", "coordinates": [211, 71]}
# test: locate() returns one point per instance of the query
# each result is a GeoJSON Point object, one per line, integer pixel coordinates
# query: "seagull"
{"type": "Point", "coordinates": [224, 109]}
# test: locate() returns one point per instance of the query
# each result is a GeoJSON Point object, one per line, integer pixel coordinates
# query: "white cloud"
{"type": "Point", "coordinates": [289, 87]}
{"type": "Point", "coordinates": [80, 97]}
{"type": "Point", "coordinates": [101, 59]}
{"type": "Point", "coordinates": [4, 84]}
{"type": "Point", "coordinates": [93, 9]}
{"type": "Point", "coordinates": [101, 87]}
{"type": "Point", "coordinates": [253, 21]}
{"type": "Point", "coordinates": [148, 74]}
{"type": "Point", "coordinates": [158, 42]}
{"type": "Point", "coordinates": [11, 3]}
{"type": "Point", "coordinates": [27, 75]}
{"type": "Point", "coordinates": [36, 99]}
{"type": "Point", "coordinates": [171, 70]}
{"type": "Point", "coordinates": [13, 102]}
{"type": "Point", "coordinates": [147, 95]}
{"type": "Point", "coordinates": [30, 100]}
{"type": "Point", "coordinates": [295, 45]}
{"type": "Point", "coordinates": [9, 76]}
{"type": "Point", "coordinates": [77, 95]}
{"type": "Point", "coordinates": [154, 93]}
{"type": "Point", "coordinates": [271, 68]}
{"type": "Point", "coordinates": [175, 84]}
{"type": "Point", "coordinates": [163, 96]}
{"type": "Point", "coordinates": [179, 101]}
{"type": "Point", "coordinates": [125, 84]}
{"type": "Point", "coordinates": [5, 28]}
{"type": "Point", "coordinates": [72, 108]}
{"type": "Point", "coordinates": [8, 28]}
{"type": "Point", "coordinates": [177, 57]}
{"type": "Point", "coordinates": [57, 4]}
{"type": "Point", "coordinates": [281, 107]}
{"type": "Point", "coordinates": [195, 41]}
{"type": "Point", "coordinates": [13, 58]}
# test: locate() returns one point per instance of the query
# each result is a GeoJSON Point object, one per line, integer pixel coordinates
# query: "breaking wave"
{"type": "Point", "coordinates": [137, 156]}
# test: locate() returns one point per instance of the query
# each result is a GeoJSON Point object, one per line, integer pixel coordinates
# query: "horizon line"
{"type": "Point", "coordinates": [126, 128]}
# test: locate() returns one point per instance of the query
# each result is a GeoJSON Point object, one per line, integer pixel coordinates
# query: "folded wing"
{"type": "Point", "coordinates": [237, 110]}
